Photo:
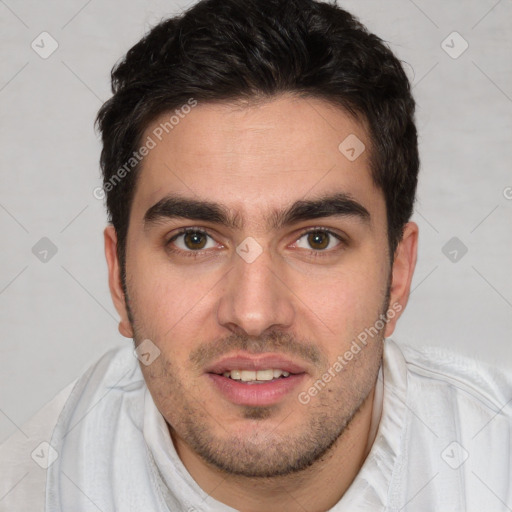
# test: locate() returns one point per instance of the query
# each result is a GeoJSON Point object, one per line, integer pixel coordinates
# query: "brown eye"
{"type": "Point", "coordinates": [195, 240]}
{"type": "Point", "coordinates": [318, 240]}
{"type": "Point", "coordinates": [190, 240]}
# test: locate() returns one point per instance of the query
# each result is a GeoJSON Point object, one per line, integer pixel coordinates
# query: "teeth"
{"type": "Point", "coordinates": [252, 375]}
{"type": "Point", "coordinates": [247, 375]}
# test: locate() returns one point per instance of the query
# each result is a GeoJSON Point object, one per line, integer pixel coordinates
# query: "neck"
{"type": "Point", "coordinates": [316, 489]}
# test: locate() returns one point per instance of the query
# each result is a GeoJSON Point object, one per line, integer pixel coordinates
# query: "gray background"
{"type": "Point", "coordinates": [56, 317]}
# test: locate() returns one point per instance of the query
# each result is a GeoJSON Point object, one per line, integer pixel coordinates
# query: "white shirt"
{"type": "Point", "coordinates": [443, 443]}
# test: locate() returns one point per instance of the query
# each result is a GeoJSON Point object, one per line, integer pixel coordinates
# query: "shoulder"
{"type": "Point", "coordinates": [434, 368]}
{"type": "Point", "coordinates": [448, 413]}
{"type": "Point", "coordinates": [445, 396]}
{"type": "Point", "coordinates": [26, 455]}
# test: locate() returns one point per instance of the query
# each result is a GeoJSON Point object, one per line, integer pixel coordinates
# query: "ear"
{"type": "Point", "coordinates": [402, 272]}
{"type": "Point", "coordinates": [114, 280]}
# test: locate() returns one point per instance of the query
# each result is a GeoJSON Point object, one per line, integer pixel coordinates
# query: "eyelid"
{"type": "Point", "coordinates": [341, 237]}
{"type": "Point", "coordinates": [188, 229]}
{"type": "Point", "coordinates": [184, 231]}
{"type": "Point", "coordinates": [321, 254]}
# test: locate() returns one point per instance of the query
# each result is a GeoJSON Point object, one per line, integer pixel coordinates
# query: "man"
{"type": "Point", "coordinates": [260, 165]}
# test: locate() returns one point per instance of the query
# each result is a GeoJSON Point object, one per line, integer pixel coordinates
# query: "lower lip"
{"type": "Point", "coordinates": [266, 393]}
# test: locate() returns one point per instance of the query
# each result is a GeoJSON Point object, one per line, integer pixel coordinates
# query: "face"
{"type": "Point", "coordinates": [258, 251]}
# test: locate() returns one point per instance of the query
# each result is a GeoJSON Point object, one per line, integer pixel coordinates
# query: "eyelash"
{"type": "Point", "coordinates": [196, 254]}
{"type": "Point", "coordinates": [184, 231]}
{"type": "Point", "coordinates": [323, 253]}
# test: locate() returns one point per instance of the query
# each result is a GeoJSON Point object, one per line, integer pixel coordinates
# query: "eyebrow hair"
{"type": "Point", "coordinates": [332, 205]}
{"type": "Point", "coordinates": [171, 207]}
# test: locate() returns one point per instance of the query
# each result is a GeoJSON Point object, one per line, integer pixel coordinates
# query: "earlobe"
{"type": "Point", "coordinates": [114, 281]}
{"type": "Point", "coordinates": [402, 273]}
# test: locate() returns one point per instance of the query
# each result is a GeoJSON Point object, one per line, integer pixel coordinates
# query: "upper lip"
{"type": "Point", "coordinates": [250, 362]}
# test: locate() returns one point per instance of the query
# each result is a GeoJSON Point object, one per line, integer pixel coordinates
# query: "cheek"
{"type": "Point", "coordinates": [175, 310]}
{"type": "Point", "coordinates": [347, 298]}
{"type": "Point", "coordinates": [165, 383]}
{"type": "Point", "coordinates": [165, 295]}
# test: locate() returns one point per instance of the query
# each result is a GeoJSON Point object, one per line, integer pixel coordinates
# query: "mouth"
{"type": "Point", "coordinates": [246, 380]}
{"type": "Point", "coordinates": [257, 376]}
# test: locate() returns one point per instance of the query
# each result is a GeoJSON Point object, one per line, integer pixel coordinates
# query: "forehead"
{"type": "Point", "coordinates": [256, 157]}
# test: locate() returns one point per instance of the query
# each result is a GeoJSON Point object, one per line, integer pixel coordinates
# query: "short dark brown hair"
{"type": "Point", "coordinates": [232, 50]}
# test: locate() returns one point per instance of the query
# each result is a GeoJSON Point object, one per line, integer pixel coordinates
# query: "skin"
{"type": "Point", "coordinates": [294, 299]}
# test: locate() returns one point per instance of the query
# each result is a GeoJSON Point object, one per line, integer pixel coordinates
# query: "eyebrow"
{"type": "Point", "coordinates": [332, 205]}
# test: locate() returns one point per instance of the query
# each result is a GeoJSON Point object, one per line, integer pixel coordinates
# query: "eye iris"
{"type": "Point", "coordinates": [195, 240]}
{"type": "Point", "coordinates": [318, 240]}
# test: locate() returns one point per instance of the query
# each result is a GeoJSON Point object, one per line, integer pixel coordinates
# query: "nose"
{"type": "Point", "coordinates": [255, 297]}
